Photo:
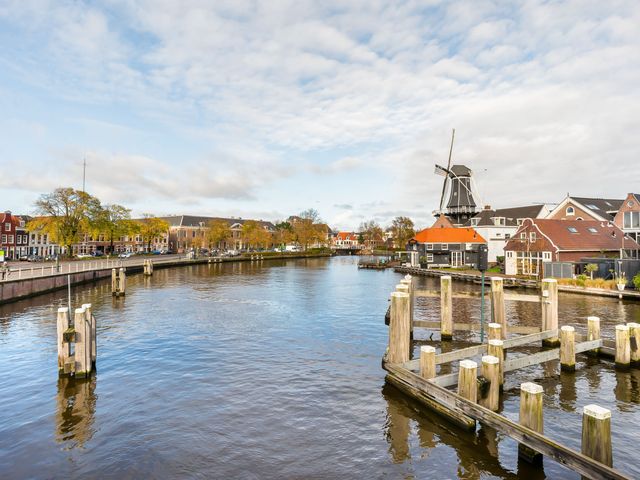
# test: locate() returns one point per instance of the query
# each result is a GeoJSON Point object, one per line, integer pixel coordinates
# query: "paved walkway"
{"type": "Point", "coordinates": [24, 270]}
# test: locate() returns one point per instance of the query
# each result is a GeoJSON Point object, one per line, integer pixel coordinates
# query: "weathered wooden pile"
{"type": "Point", "coordinates": [77, 348]}
{"type": "Point", "coordinates": [479, 387]}
{"type": "Point", "coordinates": [119, 282]}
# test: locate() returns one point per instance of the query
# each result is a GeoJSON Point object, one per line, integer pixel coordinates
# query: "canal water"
{"type": "Point", "coordinates": [272, 370]}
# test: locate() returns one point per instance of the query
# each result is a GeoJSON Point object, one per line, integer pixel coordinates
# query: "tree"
{"type": "Point", "coordinates": [114, 221]}
{"type": "Point", "coordinates": [255, 235]}
{"type": "Point", "coordinates": [308, 228]}
{"type": "Point", "coordinates": [403, 230]}
{"type": "Point", "coordinates": [590, 268]}
{"type": "Point", "coordinates": [371, 233]}
{"type": "Point", "coordinates": [151, 227]}
{"type": "Point", "coordinates": [283, 233]}
{"type": "Point", "coordinates": [64, 215]}
{"type": "Point", "coordinates": [219, 231]}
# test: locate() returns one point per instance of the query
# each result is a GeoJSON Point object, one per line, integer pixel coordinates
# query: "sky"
{"type": "Point", "coordinates": [265, 109]}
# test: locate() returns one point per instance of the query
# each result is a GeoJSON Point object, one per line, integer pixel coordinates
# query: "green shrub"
{"type": "Point", "coordinates": [636, 281]}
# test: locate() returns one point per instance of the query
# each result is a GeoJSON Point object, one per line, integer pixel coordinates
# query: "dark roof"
{"type": "Point", "coordinates": [511, 215]}
{"type": "Point", "coordinates": [583, 235]}
{"type": "Point", "coordinates": [601, 205]}
{"type": "Point", "coordinates": [461, 170]}
{"type": "Point", "coordinates": [196, 221]}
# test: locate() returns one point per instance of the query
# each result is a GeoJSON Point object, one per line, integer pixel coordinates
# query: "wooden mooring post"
{"type": "Point", "coordinates": [446, 307]}
{"type": "Point", "coordinates": [427, 361]}
{"type": "Point", "coordinates": [550, 309]}
{"type": "Point", "coordinates": [408, 280]}
{"type": "Point", "coordinates": [495, 331]}
{"type": "Point", "coordinates": [496, 349]}
{"type": "Point", "coordinates": [490, 386]}
{"type": "Point", "coordinates": [399, 341]}
{"type": "Point", "coordinates": [467, 380]}
{"type": "Point", "coordinates": [498, 313]}
{"type": "Point", "coordinates": [531, 396]}
{"type": "Point", "coordinates": [568, 349]}
{"type": "Point", "coordinates": [593, 333]}
{"type": "Point", "coordinates": [118, 282]}
{"type": "Point", "coordinates": [64, 336]}
{"type": "Point", "coordinates": [596, 434]}
{"type": "Point", "coordinates": [148, 267]}
{"type": "Point", "coordinates": [83, 335]}
{"type": "Point", "coordinates": [634, 343]}
{"type": "Point", "coordinates": [623, 347]}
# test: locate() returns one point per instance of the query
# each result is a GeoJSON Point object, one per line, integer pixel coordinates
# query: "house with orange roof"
{"type": "Point", "coordinates": [443, 246]}
{"type": "Point", "coordinates": [345, 240]}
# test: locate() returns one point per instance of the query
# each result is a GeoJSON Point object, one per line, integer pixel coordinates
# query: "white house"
{"type": "Point", "coordinates": [498, 226]}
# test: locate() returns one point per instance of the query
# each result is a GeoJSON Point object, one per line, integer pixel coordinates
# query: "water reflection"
{"type": "Point", "coordinates": [75, 411]}
{"type": "Point", "coordinates": [627, 389]}
{"type": "Point", "coordinates": [477, 454]}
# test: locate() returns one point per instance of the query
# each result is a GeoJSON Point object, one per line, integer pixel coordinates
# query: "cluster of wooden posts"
{"type": "Point", "coordinates": [147, 267]}
{"type": "Point", "coordinates": [479, 388]}
{"type": "Point", "coordinates": [257, 257]}
{"type": "Point", "coordinates": [77, 347]}
{"type": "Point", "coordinates": [119, 281]}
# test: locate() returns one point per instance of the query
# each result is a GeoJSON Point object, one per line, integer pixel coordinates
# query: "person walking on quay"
{"type": "Point", "coordinates": [57, 264]}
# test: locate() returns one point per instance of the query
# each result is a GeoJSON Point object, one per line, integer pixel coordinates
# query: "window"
{"type": "Point", "coordinates": [10, 238]}
{"type": "Point", "coordinates": [547, 255]}
{"type": "Point", "coordinates": [631, 220]}
{"type": "Point", "coordinates": [507, 235]}
{"type": "Point", "coordinates": [519, 221]}
{"type": "Point", "coordinates": [429, 246]}
{"type": "Point", "coordinates": [498, 221]}
{"type": "Point", "coordinates": [4, 239]}
{"type": "Point", "coordinates": [570, 211]}
{"type": "Point", "coordinates": [592, 230]}
{"type": "Point", "coordinates": [429, 257]}
{"type": "Point", "coordinates": [474, 222]}
{"type": "Point", "coordinates": [572, 229]}
{"type": "Point", "coordinates": [7, 227]}
{"type": "Point", "coordinates": [498, 234]}
{"type": "Point", "coordinates": [523, 236]}
{"type": "Point", "coordinates": [532, 236]}
{"type": "Point", "coordinates": [579, 218]}
{"type": "Point", "coordinates": [445, 246]}
{"type": "Point", "coordinates": [510, 254]}
{"type": "Point", "coordinates": [592, 206]}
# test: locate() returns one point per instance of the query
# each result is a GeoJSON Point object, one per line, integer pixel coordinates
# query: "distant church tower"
{"type": "Point", "coordinates": [461, 205]}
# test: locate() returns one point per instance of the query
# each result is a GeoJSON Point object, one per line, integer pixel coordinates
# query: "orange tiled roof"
{"type": "Point", "coordinates": [347, 236]}
{"type": "Point", "coordinates": [448, 235]}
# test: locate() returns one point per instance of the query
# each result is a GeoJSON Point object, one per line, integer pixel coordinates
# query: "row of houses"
{"type": "Point", "coordinates": [526, 237]}
{"type": "Point", "coordinates": [184, 233]}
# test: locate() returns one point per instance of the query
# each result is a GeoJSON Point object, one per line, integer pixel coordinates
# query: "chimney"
{"type": "Point", "coordinates": [487, 207]}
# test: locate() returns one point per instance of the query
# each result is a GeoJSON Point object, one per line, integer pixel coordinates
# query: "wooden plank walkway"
{"type": "Point", "coordinates": [460, 410]}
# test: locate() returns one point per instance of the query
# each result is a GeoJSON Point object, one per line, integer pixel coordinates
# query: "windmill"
{"type": "Point", "coordinates": [458, 181]}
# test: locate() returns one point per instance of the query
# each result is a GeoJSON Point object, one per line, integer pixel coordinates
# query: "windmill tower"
{"type": "Point", "coordinates": [462, 204]}
{"type": "Point", "coordinates": [459, 184]}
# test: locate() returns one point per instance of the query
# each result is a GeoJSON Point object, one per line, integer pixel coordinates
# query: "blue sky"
{"type": "Point", "coordinates": [264, 109]}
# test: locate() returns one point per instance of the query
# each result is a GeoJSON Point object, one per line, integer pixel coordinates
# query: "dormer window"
{"type": "Point", "coordinates": [519, 221]}
{"type": "Point", "coordinates": [474, 222]}
{"type": "Point", "coordinates": [570, 211]}
{"type": "Point", "coordinates": [498, 221]}
{"type": "Point", "coordinates": [532, 236]}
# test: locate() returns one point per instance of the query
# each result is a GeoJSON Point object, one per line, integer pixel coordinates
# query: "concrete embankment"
{"type": "Point", "coordinates": [18, 289]}
{"type": "Point", "coordinates": [519, 282]}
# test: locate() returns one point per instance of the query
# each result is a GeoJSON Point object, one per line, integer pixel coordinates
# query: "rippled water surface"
{"type": "Point", "coordinates": [269, 371]}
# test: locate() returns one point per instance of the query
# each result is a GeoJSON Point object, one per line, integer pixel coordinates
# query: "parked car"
{"type": "Point", "coordinates": [23, 258]}
{"type": "Point", "coordinates": [156, 252]}
{"type": "Point", "coordinates": [97, 253]}
{"type": "Point", "coordinates": [83, 255]}
{"type": "Point", "coordinates": [126, 255]}
{"type": "Point", "coordinates": [34, 258]}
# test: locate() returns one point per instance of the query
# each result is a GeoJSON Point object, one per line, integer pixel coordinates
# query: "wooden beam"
{"type": "Point", "coordinates": [438, 401]}
{"type": "Point", "coordinates": [514, 297]}
{"type": "Point", "coordinates": [572, 459]}
{"type": "Point", "coordinates": [526, 339]}
{"type": "Point", "coordinates": [473, 327]}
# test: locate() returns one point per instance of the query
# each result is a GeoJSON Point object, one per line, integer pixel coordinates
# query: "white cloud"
{"type": "Point", "coordinates": [541, 93]}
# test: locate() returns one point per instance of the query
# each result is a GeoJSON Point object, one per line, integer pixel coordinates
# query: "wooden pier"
{"type": "Point", "coordinates": [477, 372]}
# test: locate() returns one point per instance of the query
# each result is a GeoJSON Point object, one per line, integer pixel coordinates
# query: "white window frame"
{"type": "Point", "coordinates": [429, 246]}
{"type": "Point", "coordinates": [7, 227]}
{"type": "Point", "coordinates": [570, 211]}
{"type": "Point", "coordinates": [444, 246]}
{"type": "Point", "coordinates": [429, 257]}
{"type": "Point", "coordinates": [532, 236]}
{"type": "Point", "coordinates": [523, 235]}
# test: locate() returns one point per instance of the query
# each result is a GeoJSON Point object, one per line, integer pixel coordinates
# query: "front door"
{"type": "Point", "coordinates": [456, 258]}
